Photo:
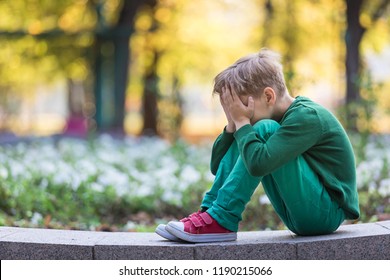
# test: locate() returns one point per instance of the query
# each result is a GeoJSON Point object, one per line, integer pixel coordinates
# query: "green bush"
{"type": "Point", "coordinates": [134, 183]}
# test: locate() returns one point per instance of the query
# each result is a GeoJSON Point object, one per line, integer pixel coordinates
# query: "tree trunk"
{"type": "Point", "coordinates": [122, 33]}
{"type": "Point", "coordinates": [150, 99]}
{"type": "Point", "coordinates": [111, 67]}
{"type": "Point", "coordinates": [150, 94]}
{"type": "Point", "coordinates": [268, 20]}
{"type": "Point", "coordinates": [353, 37]}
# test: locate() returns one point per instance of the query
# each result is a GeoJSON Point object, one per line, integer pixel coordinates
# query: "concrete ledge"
{"type": "Point", "coordinates": [360, 241]}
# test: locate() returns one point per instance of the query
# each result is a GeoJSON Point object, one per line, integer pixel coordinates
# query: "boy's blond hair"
{"type": "Point", "coordinates": [251, 74]}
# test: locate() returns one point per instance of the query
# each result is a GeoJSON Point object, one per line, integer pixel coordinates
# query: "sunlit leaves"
{"type": "Point", "coordinates": [42, 41]}
{"type": "Point", "coordinates": [77, 17]}
{"type": "Point", "coordinates": [45, 40]}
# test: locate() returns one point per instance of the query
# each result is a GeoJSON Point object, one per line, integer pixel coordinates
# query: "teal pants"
{"type": "Point", "coordinates": [294, 189]}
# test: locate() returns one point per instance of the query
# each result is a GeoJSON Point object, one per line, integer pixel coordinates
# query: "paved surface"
{"type": "Point", "coordinates": [360, 241]}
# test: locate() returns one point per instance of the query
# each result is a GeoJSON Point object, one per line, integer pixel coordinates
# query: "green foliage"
{"type": "Point", "coordinates": [83, 185]}
{"type": "Point", "coordinates": [43, 41]}
{"type": "Point", "coordinates": [46, 41]}
{"type": "Point", "coordinates": [134, 183]}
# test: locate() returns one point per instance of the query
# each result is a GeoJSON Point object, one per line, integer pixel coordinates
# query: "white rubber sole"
{"type": "Point", "coordinates": [161, 230]}
{"type": "Point", "coordinates": [177, 229]}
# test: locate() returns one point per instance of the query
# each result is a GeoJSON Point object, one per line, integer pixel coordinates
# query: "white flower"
{"type": "Point", "coordinates": [264, 200]}
{"type": "Point", "coordinates": [97, 187]}
{"type": "Point", "coordinates": [189, 174]}
{"type": "Point", "coordinates": [144, 190]}
{"type": "Point", "coordinates": [17, 169]}
{"type": "Point", "coordinates": [46, 167]}
{"type": "Point", "coordinates": [384, 187]}
{"type": "Point", "coordinates": [44, 183]}
{"type": "Point", "coordinates": [36, 218]}
{"type": "Point", "coordinates": [210, 177]}
{"type": "Point", "coordinates": [86, 167]}
{"type": "Point", "coordinates": [130, 225]}
{"type": "Point", "coordinates": [3, 172]}
{"type": "Point", "coordinates": [118, 180]}
{"type": "Point", "coordinates": [172, 197]}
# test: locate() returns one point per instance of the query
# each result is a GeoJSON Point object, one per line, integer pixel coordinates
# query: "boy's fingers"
{"type": "Point", "coordinates": [234, 96]}
{"type": "Point", "coordinates": [230, 90]}
{"type": "Point", "coordinates": [223, 100]}
{"type": "Point", "coordinates": [227, 97]}
{"type": "Point", "coordinates": [233, 93]}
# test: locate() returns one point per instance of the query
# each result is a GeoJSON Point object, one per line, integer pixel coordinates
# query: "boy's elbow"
{"type": "Point", "coordinates": [213, 169]}
{"type": "Point", "coordinates": [256, 170]}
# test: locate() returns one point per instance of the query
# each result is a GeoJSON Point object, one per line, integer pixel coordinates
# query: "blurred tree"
{"type": "Point", "coordinates": [171, 48]}
{"type": "Point", "coordinates": [161, 99]}
{"type": "Point", "coordinates": [112, 54]}
{"type": "Point", "coordinates": [150, 98]}
{"type": "Point", "coordinates": [282, 31]}
{"type": "Point", "coordinates": [356, 10]}
{"type": "Point", "coordinates": [291, 39]}
{"type": "Point", "coordinates": [269, 12]}
{"type": "Point", "coordinates": [292, 26]}
{"type": "Point", "coordinates": [45, 40]}
{"type": "Point", "coordinates": [183, 43]}
{"type": "Point", "coordinates": [161, 109]}
{"type": "Point", "coordinates": [150, 94]}
{"type": "Point", "coordinates": [42, 41]}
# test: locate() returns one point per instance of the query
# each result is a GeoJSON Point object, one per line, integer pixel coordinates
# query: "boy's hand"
{"type": "Point", "coordinates": [240, 113]}
{"type": "Point", "coordinates": [230, 127]}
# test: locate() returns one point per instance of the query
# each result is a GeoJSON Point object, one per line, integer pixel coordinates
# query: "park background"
{"type": "Point", "coordinates": [106, 110]}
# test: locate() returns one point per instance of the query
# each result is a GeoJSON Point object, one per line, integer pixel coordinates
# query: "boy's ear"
{"type": "Point", "coordinates": [270, 95]}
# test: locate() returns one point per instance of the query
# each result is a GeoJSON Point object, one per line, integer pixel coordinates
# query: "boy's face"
{"type": "Point", "coordinates": [262, 111]}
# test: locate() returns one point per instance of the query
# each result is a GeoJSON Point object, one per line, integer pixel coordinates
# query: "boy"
{"type": "Point", "coordinates": [296, 148]}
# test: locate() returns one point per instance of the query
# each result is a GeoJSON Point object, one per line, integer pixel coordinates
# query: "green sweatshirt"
{"type": "Point", "coordinates": [306, 129]}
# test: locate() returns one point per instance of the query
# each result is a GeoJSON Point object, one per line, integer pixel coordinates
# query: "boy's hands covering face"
{"type": "Point", "coordinates": [240, 113]}
{"type": "Point", "coordinates": [231, 127]}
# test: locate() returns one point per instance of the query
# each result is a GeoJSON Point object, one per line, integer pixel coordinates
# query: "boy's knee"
{"type": "Point", "coordinates": [266, 128]}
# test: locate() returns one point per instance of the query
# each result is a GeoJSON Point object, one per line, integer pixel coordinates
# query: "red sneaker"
{"type": "Point", "coordinates": [200, 227]}
{"type": "Point", "coordinates": [161, 229]}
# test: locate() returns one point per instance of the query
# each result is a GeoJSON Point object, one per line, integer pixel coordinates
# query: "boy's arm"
{"type": "Point", "coordinates": [295, 136]}
{"type": "Point", "coordinates": [220, 147]}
